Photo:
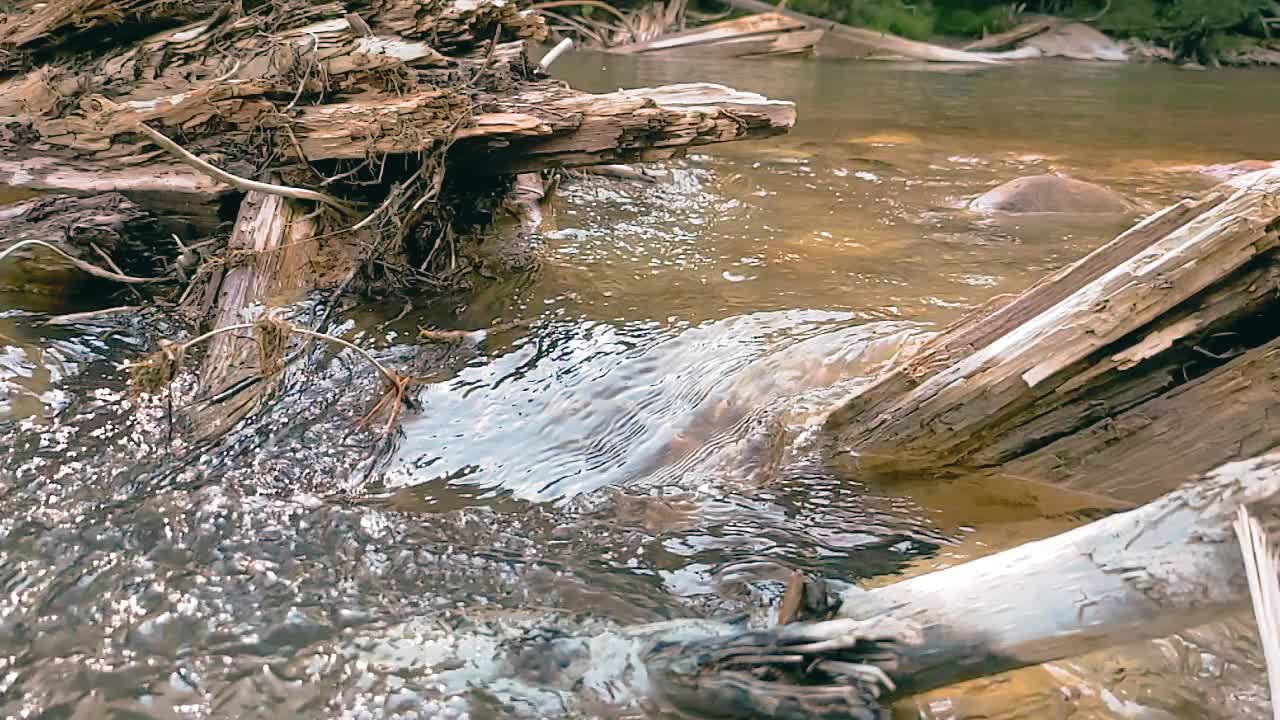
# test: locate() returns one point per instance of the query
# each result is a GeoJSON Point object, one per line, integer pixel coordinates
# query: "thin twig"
{"type": "Point", "coordinates": [242, 183]}
{"type": "Point", "coordinates": [90, 268]}
{"type": "Point", "coordinates": [115, 268]}
{"type": "Point", "coordinates": [626, 21]}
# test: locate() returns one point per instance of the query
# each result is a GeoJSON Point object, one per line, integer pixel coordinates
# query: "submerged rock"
{"type": "Point", "coordinates": [1052, 194]}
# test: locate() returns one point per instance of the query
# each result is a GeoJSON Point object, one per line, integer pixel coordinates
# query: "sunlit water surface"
{"type": "Point", "coordinates": [635, 451]}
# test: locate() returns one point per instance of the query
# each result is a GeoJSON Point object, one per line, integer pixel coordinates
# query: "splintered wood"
{"type": "Point", "coordinates": [1155, 353]}
{"type": "Point", "coordinates": [318, 82]}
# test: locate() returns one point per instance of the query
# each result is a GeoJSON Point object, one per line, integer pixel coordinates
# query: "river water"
{"type": "Point", "coordinates": [635, 449]}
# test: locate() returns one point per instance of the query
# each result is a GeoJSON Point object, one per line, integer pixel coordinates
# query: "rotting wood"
{"type": "Point", "coordinates": [1095, 328]}
{"type": "Point", "coordinates": [268, 260]}
{"type": "Point", "coordinates": [1142, 574]}
{"type": "Point", "coordinates": [80, 227]}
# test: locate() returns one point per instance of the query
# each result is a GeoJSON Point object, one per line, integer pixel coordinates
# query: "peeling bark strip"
{"type": "Point", "coordinates": [1142, 574]}
{"type": "Point", "coordinates": [1185, 290]}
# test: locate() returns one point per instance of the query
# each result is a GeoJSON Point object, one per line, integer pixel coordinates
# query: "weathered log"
{"type": "Point", "coordinates": [567, 127]}
{"type": "Point", "coordinates": [1009, 38]}
{"type": "Point", "coordinates": [272, 258]}
{"type": "Point", "coordinates": [545, 126]}
{"type": "Point", "coordinates": [1081, 346]}
{"type": "Point", "coordinates": [845, 41]}
{"type": "Point", "coordinates": [98, 231]}
{"type": "Point", "coordinates": [185, 201]}
{"type": "Point", "coordinates": [1141, 574]}
{"type": "Point", "coordinates": [766, 33]}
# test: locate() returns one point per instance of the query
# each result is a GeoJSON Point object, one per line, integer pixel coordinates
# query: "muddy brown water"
{"type": "Point", "coordinates": [636, 452]}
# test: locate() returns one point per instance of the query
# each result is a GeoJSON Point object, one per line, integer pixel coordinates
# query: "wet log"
{"type": "Point", "coordinates": [272, 259]}
{"type": "Point", "coordinates": [1173, 298]}
{"type": "Point", "coordinates": [94, 233]}
{"type": "Point", "coordinates": [1143, 574]}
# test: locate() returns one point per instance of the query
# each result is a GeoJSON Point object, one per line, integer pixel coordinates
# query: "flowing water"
{"type": "Point", "coordinates": [635, 449]}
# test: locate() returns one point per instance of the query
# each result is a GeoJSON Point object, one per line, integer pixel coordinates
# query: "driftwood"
{"type": "Point", "coordinates": [1172, 564]}
{"type": "Point", "coordinates": [845, 41]}
{"type": "Point", "coordinates": [1010, 38]}
{"type": "Point", "coordinates": [78, 237]}
{"type": "Point", "coordinates": [1076, 362]}
{"type": "Point", "coordinates": [750, 36]}
{"type": "Point", "coordinates": [349, 141]}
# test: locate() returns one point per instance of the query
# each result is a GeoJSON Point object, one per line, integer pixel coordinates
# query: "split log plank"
{"type": "Point", "coordinates": [1019, 374]}
{"type": "Point", "coordinates": [1234, 411]}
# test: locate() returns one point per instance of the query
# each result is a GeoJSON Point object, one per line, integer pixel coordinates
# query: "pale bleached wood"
{"type": "Point", "coordinates": [763, 24]}
{"type": "Point", "coordinates": [1141, 574]}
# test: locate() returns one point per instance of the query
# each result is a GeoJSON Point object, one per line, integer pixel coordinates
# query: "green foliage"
{"type": "Point", "coordinates": [1191, 27]}
{"type": "Point", "coordinates": [914, 20]}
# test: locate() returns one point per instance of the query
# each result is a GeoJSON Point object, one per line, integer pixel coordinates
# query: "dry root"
{"type": "Point", "coordinates": [833, 669]}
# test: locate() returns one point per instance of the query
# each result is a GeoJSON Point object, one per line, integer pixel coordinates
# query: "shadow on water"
{"type": "Point", "coordinates": [641, 449]}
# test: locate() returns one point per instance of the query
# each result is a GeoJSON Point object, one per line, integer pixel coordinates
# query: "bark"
{"type": "Point", "coordinates": [85, 228]}
{"type": "Point", "coordinates": [272, 258]}
{"type": "Point", "coordinates": [1170, 299]}
{"type": "Point", "coordinates": [1141, 574]}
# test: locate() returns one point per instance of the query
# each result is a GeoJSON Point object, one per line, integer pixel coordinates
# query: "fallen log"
{"type": "Point", "coordinates": [1142, 574]}
{"type": "Point", "coordinates": [78, 239]}
{"type": "Point", "coordinates": [845, 41]}
{"type": "Point", "coordinates": [1010, 38]}
{"type": "Point", "coordinates": [754, 35]}
{"type": "Point", "coordinates": [1182, 293]}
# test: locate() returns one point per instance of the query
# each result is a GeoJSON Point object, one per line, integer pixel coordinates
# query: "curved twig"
{"type": "Point", "coordinates": [89, 268]}
{"type": "Point", "coordinates": [1098, 15]}
{"type": "Point", "coordinates": [238, 182]}
{"type": "Point", "coordinates": [580, 27]}
{"type": "Point", "coordinates": [626, 21]}
{"type": "Point", "coordinates": [391, 377]}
